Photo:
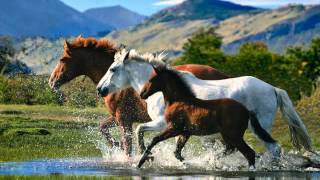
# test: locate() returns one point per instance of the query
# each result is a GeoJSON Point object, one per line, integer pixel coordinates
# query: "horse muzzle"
{"type": "Point", "coordinates": [102, 91]}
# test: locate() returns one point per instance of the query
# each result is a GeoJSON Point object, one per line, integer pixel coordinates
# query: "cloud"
{"type": "Point", "coordinates": [168, 2]}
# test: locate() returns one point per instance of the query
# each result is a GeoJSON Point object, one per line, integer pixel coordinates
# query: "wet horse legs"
{"type": "Point", "coordinates": [243, 147]}
{"type": "Point", "coordinates": [169, 132]}
{"type": "Point", "coordinates": [105, 124]}
{"type": "Point", "coordinates": [182, 140]}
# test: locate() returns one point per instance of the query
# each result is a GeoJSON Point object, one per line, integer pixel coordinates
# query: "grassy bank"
{"type": "Point", "coordinates": [33, 132]}
{"type": "Point", "coordinates": [36, 132]}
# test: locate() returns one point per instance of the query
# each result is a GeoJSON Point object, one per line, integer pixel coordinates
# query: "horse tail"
{"type": "Point", "coordinates": [298, 132]}
{"type": "Point", "coordinates": [258, 130]}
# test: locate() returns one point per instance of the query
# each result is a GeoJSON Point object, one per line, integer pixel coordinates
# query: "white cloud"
{"type": "Point", "coordinates": [168, 2]}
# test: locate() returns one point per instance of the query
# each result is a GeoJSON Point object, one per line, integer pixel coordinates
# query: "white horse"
{"type": "Point", "coordinates": [131, 69]}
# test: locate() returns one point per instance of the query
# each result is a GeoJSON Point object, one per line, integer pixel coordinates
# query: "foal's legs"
{"type": "Point", "coordinates": [229, 149]}
{"type": "Point", "coordinates": [243, 147]}
{"type": "Point", "coordinates": [166, 134]}
{"type": "Point", "coordinates": [180, 144]}
{"type": "Point", "coordinates": [156, 125]}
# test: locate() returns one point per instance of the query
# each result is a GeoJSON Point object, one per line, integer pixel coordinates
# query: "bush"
{"type": "Point", "coordinates": [26, 89]}
{"type": "Point", "coordinates": [80, 92]}
{"type": "Point", "coordinates": [32, 89]}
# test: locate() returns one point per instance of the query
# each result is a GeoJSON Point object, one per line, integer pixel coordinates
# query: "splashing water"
{"type": "Point", "coordinates": [204, 158]}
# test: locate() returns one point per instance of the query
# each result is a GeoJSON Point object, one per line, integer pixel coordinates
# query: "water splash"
{"type": "Point", "coordinates": [205, 158]}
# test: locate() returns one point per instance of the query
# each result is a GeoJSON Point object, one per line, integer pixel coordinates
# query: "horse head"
{"type": "Point", "coordinates": [84, 56]}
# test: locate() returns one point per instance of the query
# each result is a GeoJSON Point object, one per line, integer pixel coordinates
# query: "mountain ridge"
{"type": "Point", "coordinates": [118, 16]}
{"type": "Point", "coordinates": [49, 18]}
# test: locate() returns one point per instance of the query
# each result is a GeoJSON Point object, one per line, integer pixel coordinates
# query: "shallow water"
{"type": "Point", "coordinates": [101, 167]}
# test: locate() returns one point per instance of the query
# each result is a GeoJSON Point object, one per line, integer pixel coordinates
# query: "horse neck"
{"type": "Point", "coordinates": [96, 65]}
{"type": "Point", "coordinates": [172, 93]}
{"type": "Point", "coordinates": [139, 73]}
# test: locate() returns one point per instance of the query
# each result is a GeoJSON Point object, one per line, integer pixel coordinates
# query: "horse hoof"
{"type": "Point", "coordinates": [252, 168]}
{"type": "Point", "coordinates": [150, 158]}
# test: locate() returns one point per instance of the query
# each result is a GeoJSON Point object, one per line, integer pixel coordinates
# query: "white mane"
{"type": "Point", "coordinates": [136, 56]}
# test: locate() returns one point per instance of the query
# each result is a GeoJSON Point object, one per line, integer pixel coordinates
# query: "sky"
{"type": "Point", "coordinates": [148, 7]}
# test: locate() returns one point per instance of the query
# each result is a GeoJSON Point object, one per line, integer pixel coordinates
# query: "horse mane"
{"type": "Point", "coordinates": [133, 55]}
{"type": "Point", "coordinates": [179, 80]}
{"type": "Point", "coordinates": [102, 44]}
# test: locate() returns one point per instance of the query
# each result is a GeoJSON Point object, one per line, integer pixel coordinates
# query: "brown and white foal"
{"type": "Point", "coordinates": [187, 115]}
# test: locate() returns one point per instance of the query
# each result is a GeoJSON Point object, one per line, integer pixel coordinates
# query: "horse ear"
{"type": "Point", "coordinates": [66, 45]}
{"type": "Point", "coordinates": [156, 69]}
{"type": "Point", "coordinates": [79, 37]}
{"type": "Point", "coordinates": [127, 56]}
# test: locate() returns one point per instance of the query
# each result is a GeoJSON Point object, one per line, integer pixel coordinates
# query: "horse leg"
{"type": "Point", "coordinates": [104, 126]}
{"type": "Point", "coordinates": [126, 133]}
{"type": "Point", "coordinates": [229, 149]}
{"type": "Point", "coordinates": [157, 125]}
{"type": "Point", "coordinates": [182, 140]}
{"type": "Point", "coordinates": [166, 134]}
{"type": "Point", "coordinates": [243, 147]}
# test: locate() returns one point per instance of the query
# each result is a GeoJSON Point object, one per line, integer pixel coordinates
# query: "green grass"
{"type": "Point", "coordinates": [35, 132]}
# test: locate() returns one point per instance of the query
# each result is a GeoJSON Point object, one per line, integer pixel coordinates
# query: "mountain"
{"type": "Point", "coordinates": [49, 18]}
{"type": "Point", "coordinates": [39, 54]}
{"type": "Point", "coordinates": [116, 16]}
{"type": "Point", "coordinates": [279, 28]}
{"type": "Point", "coordinates": [201, 9]}
{"type": "Point", "coordinates": [170, 28]}
{"type": "Point", "coordinates": [298, 30]}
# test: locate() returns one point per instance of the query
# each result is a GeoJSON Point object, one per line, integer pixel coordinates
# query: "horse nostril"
{"type": "Point", "coordinates": [102, 92]}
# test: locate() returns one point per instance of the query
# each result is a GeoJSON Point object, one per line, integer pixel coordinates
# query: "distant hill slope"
{"type": "Point", "coordinates": [172, 35]}
{"type": "Point", "coordinates": [49, 18]}
{"type": "Point", "coordinates": [115, 16]}
{"type": "Point", "coordinates": [200, 9]}
{"type": "Point", "coordinates": [39, 54]}
{"type": "Point", "coordinates": [298, 30]}
{"type": "Point", "coordinates": [170, 28]}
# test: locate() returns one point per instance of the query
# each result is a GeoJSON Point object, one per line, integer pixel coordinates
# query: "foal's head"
{"type": "Point", "coordinates": [168, 81]}
{"type": "Point", "coordinates": [79, 56]}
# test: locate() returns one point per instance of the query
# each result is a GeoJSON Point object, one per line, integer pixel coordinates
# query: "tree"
{"type": "Point", "coordinates": [6, 53]}
{"type": "Point", "coordinates": [308, 59]}
{"type": "Point", "coordinates": [203, 48]}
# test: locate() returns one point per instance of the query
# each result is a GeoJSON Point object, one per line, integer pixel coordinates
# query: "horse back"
{"type": "Point", "coordinates": [203, 72]}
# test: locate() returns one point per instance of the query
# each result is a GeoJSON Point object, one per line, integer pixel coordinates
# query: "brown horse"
{"type": "Point", "coordinates": [92, 58]}
{"type": "Point", "coordinates": [187, 115]}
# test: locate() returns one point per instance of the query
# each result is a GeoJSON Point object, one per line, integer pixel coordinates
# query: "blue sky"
{"type": "Point", "coordinates": [148, 7]}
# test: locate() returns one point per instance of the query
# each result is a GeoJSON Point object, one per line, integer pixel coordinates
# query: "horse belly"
{"type": "Point", "coordinates": [203, 123]}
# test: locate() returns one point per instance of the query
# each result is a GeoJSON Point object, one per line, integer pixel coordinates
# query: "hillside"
{"type": "Point", "coordinates": [49, 18]}
{"type": "Point", "coordinates": [297, 30]}
{"type": "Point", "coordinates": [115, 16]}
{"type": "Point", "coordinates": [170, 28]}
{"type": "Point", "coordinates": [200, 9]}
{"type": "Point", "coordinates": [234, 31]}
{"type": "Point", "coordinates": [39, 54]}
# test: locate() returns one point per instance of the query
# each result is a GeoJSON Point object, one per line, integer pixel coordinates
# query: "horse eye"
{"type": "Point", "coordinates": [112, 69]}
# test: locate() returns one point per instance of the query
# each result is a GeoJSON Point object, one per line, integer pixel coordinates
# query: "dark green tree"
{"type": "Point", "coordinates": [203, 48]}
{"type": "Point", "coordinates": [308, 59]}
{"type": "Point", "coordinates": [6, 52]}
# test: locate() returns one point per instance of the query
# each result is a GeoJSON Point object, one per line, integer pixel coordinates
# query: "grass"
{"type": "Point", "coordinates": [35, 132]}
